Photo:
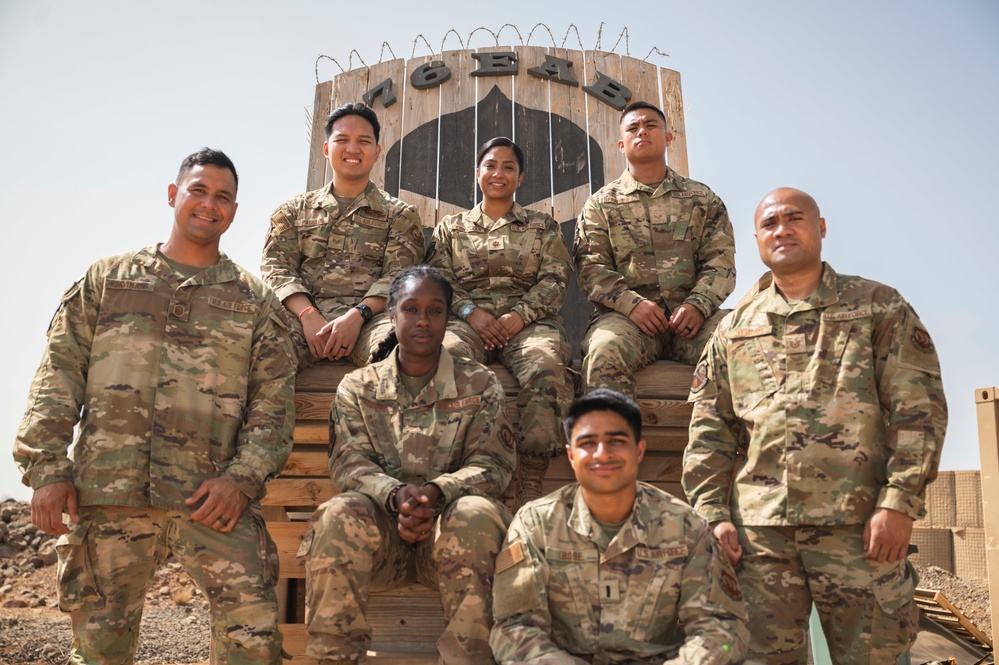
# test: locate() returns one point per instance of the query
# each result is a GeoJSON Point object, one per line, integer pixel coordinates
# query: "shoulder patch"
{"type": "Point", "coordinates": [700, 378]}
{"type": "Point", "coordinates": [921, 340]}
{"type": "Point", "coordinates": [509, 557]}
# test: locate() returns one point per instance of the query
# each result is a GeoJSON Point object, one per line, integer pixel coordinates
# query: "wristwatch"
{"type": "Point", "coordinates": [466, 311]}
{"type": "Point", "coordinates": [365, 311]}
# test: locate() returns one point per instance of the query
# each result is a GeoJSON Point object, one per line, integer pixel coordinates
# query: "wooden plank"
{"type": "Point", "coordinates": [946, 613]}
{"type": "Point", "coordinates": [663, 379]}
{"type": "Point", "coordinates": [323, 376]}
{"type": "Point", "coordinates": [676, 148]}
{"type": "Point", "coordinates": [318, 164]}
{"type": "Point", "coordinates": [458, 144]}
{"type": "Point", "coordinates": [307, 464]}
{"type": "Point", "coordinates": [390, 117]}
{"type": "Point", "coordinates": [532, 129]}
{"type": "Point", "coordinates": [987, 411]}
{"type": "Point", "coordinates": [642, 77]}
{"type": "Point", "coordinates": [312, 432]}
{"type": "Point", "coordinates": [299, 492]}
{"type": "Point", "coordinates": [603, 121]}
{"type": "Point", "coordinates": [296, 639]}
{"type": "Point", "coordinates": [569, 142]}
{"type": "Point", "coordinates": [419, 145]}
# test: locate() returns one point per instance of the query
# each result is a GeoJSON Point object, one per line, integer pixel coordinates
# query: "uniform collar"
{"type": "Point", "coordinates": [223, 270]}
{"type": "Point", "coordinates": [632, 532]}
{"type": "Point", "coordinates": [824, 296]}
{"type": "Point", "coordinates": [371, 198]}
{"type": "Point", "coordinates": [391, 389]}
{"type": "Point", "coordinates": [477, 216]}
{"type": "Point", "coordinates": [630, 186]}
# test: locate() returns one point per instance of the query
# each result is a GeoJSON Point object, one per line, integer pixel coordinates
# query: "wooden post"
{"type": "Point", "coordinates": [988, 447]}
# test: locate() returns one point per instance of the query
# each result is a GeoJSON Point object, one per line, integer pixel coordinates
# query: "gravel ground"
{"type": "Point", "coordinates": [175, 623]}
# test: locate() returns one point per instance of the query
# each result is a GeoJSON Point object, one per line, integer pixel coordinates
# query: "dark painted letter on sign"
{"type": "Point", "coordinates": [610, 91]}
{"type": "Point", "coordinates": [555, 69]}
{"type": "Point", "coordinates": [385, 90]}
{"type": "Point", "coordinates": [429, 75]}
{"type": "Point", "coordinates": [496, 64]}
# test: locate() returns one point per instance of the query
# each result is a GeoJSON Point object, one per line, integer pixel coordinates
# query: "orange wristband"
{"type": "Point", "coordinates": [306, 311]}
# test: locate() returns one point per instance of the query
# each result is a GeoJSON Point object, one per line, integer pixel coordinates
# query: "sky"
{"type": "Point", "coordinates": [883, 111]}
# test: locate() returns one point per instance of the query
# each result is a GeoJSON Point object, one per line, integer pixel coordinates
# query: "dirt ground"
{"type": "Point", "coordinates": [175, 623]}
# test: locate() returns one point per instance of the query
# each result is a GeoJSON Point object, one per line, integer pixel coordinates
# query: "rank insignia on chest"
{"type": "Point", "coordinates": [610, 591]}
{"type": "Point", "coordinates": [495, 244]}
{"type": "Point", "coordinates": [795, 343]}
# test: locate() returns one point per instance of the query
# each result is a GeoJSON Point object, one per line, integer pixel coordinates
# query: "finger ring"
{"type": "Point", "coordinates": [223, 520]}
{"type": "Point", "coordinates": [343, 347]}
{"type": "Point", "coordinates": [689, 328]}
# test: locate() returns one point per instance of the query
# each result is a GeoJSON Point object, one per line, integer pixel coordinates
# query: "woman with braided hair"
{"type": "Point", "coordinates": [420, 450]}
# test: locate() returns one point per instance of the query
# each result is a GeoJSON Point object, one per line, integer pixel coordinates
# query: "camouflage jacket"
{"type": "Point", "coordinates": [518, 263]}
{"type": "Point", "coordinates": [672, 245]}
{"type": "Point", "coordinates": [815, 413]}
{"type": "Point", "coordinates": [662, 590]}
{"type": "Point", "coordinates": [172, 383]}
{"type": "Point", "coordinates": [338, 260]}
{"type": "Point", "coordinates": [454, 433]}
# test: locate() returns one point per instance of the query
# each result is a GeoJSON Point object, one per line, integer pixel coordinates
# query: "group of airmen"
{"type": "Point", "coordinates": [818, 419]}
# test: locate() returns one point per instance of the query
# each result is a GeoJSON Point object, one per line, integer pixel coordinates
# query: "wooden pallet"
{"type": "Point", "coordinates": [935, 605]}
{"type": "Point", "coordinates": [406, 622]}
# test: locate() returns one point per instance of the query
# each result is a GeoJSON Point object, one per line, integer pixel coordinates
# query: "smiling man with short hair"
{"type": "Point", "coordinates": [610, 569]}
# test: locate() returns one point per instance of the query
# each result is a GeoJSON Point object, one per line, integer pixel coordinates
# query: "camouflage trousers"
{"type": "Point", "coordinates": [614, 348]}
{"type": "Point", "coordinates": [538, 357]}
{"type": "Point", "coordinates": [353, 547]}
{"type": "Point", "coordinates": [372, 333]}
{"type": "Point", "coordinates": [107, 563]}
{"type": "Point", "coordinates": [867, 608]}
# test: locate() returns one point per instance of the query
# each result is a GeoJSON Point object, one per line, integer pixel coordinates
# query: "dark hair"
{"type": "Point", "coordinates": [634, 106]}
{"type": "Point", "coordinates": [406, 275]}
{"type": "Point", "coordinates": [207, 157]}
{"type": "Point", "coordinates": [353, 108]}
{"type": "Point", "coordinates": [500, 142]}
{"type": "Point", "coordinates": [604, 399]}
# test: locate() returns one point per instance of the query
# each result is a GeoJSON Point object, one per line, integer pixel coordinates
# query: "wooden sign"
{"type": "Point", "coordinates": [562, 106]}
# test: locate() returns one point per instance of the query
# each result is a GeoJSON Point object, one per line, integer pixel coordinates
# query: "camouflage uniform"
{"type": "Point", "coordinates": [454, 434]}
{"type": "Point", "coordinates": [173, 382]}
{"type": "Point", "coordinates": [338, 260]}
{"type": "Point", "coordinates": [561, 598]}
{"type": "Point", "coordinates": [516, 264]}
{"type": "Point", "coordinates": [671, 244]}
{"type": "Point", "coordinates": [835, 408]}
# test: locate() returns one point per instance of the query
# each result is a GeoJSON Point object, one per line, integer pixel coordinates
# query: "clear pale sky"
{"type": "Point", "coordinates": [884, 111]}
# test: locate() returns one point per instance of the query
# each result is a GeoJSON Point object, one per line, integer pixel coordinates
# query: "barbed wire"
{"type": "Point", "coordinates": [466, 43]}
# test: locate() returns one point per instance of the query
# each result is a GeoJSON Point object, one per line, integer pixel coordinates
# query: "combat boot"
{"type": "Point", "coordinates": [530, 474]}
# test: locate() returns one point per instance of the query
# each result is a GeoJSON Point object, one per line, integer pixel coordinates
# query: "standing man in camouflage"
{"type": "Point", "coordinates": [818, 419]}
{"type": "Point", "coordinates": [612, 570]}
{"type": "Point", "coordinates": [179, 371]}
{"type": "Point", "coordinates": [655, 255]}
{"type": "Point", "coordinates": [331, 253]}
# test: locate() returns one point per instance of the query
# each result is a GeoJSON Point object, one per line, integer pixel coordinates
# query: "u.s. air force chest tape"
{"type": "Point", "coordinates": [516, 584]}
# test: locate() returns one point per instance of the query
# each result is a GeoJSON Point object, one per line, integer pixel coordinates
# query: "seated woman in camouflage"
{"type": "Point", "coordinates": [510, 268]}
{"type": "Point", "coordinates": [420, 450]}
